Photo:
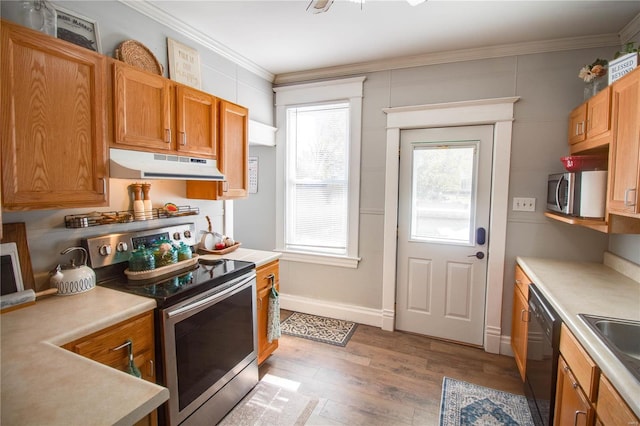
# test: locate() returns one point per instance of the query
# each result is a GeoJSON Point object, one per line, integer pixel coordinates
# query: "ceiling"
{"type": "Point", "coordinates": [280, 39]}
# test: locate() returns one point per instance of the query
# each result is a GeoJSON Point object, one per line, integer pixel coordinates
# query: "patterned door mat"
{"type": "Point", "coordinates": [321, 329]}
{"type": "Point", "coordinates": [468, 404]}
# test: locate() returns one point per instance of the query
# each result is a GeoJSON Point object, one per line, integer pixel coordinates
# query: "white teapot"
{"type": "Point", "coordinates": [72, 278]}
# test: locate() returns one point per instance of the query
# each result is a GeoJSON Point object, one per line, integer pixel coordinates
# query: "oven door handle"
{"type": "Point", "coordinates": [208, 299]}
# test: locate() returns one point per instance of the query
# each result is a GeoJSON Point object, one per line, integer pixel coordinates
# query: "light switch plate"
{"type": "Point", "coordinates": [523, 204]}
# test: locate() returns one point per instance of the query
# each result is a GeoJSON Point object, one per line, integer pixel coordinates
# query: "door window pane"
{"type": "Point", "coordinates": [443, 193]}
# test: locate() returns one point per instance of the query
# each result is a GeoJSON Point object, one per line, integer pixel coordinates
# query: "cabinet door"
{"type": "Point", "coordinates": [578, 124]}
{"type": "Point", "coordinates": [519, 329]}
{"type": "Point", "coordinates": [234, 149]}
{"type": "Point", "coordinates": [572, 406]}
{"type": "Point", "coordinates": [101, 346]}
{"type": "Point", "coordinates": [611, 408]}
{"type": "Point", "coordinates": [265, 275]}
{"type": "Point", "coordinates": [196, 122]}
{"type": "Point", "coordinates": [142, 109]}
{"type": "Point", "coordinates": [599, 114]}
{"type": "Point", "coordinates": [54, 150]}
{"type": "Point", "coordinates": [624, 153]}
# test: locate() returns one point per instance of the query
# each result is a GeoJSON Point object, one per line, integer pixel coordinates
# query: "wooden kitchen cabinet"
{"type": "Point", "coordinates": [266, 276]}
{"type": "Point", "coordinates": [611, 409]}
{"type": "Point", "coordinates": [520, 320]}
{"type": "Point", "coordinates": [142, 109]}
{"type": "Point", "coordinates": [572, 406]}
{"type": "Point", "coordinates": [624, 152]}
{"type": "Point", "coordinates": [101, 347]}
{"type": "Point", "coordinates": [590, 123]}
{"type": "Point", "coordinates": [233, 151]}
{"type": "Point", "coordinates": [54, 148]}
{"type": "Point", "coordinates": [152, 113]}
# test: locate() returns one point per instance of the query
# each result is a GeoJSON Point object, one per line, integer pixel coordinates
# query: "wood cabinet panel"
{"type": "Point", "coordinates": [624, 153]}
{"type": "Point", "coordinates": [196, 122]}
{"type": "Point", "coordinates": [590, 123]}
{"type": "Point", "coordinates": [142, 109]}
{"type": "Point", "coordinates": [232, 158]}
{"type": "Point", "coordinates": [54, 149]}
{"type": "Point", "coordinates": [266, 275]}
{"type": "Point", "coordinates": [519, 329]}
{"type": "Point", "coordinates": [522, 282]}
{"type": "Point", "coordinates": [578, 124]}
{"type": "Point", "coordinates": [100, 346]}
{"type": "Point", "coordinates": [572, 406]}
{"type": "Point", "coordinates": [611, 408]}
{"type": "Point", "coordinates": [584, 369]}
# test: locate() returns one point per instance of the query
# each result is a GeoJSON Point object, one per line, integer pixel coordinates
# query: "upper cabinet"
{"type": "Point", "coordinates": [624, 152]}
{"type": "Point", "coordinates": [590, 123]}
{"type": "Point", "coordinates": [156, 114]}
{"type": "Point", "coordinates": [54, 149]}
{"type": "Point", "coordinates": [233, 149]}
{"type": "Point", "coordinates": [142, 115]}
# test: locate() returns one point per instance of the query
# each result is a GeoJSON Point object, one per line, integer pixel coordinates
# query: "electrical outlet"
{"type": "Point", "coordinates": [523, 204]}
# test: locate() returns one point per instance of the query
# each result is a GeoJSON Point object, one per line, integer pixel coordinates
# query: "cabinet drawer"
{"type": "Point", "coordinates": [580, 363]}
{"type": "Point", "coordinates": [611, 408]}
{"type": "Point", "coordinates": [99, 346]}
{"type": "Point", "coordinates": [264, 272]}
{"type": "Point", "coordinates": [522, 282]}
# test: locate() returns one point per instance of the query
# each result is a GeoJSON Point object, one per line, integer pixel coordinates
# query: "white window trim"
{"type": "Point", "coordinates": [350, 89]}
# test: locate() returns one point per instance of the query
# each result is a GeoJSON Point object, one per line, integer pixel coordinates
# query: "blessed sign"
{"type": "Point", "coordinates": [621, 66]}
{"type": "Point", "coordinates": [184, 64]}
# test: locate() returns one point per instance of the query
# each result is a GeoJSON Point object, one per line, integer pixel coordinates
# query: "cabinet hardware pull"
{"type": "Point", "coordinates": [124, 345]}
{"type": "Point", "coordinates": [184, 138]}
{"type": "Point", "coordinates": [167, 137]}
{"type": "Point", "coordinates": [518, 282]}
{"type": "Point", "coordinates": [575, 417]}
{"type": "Point", "coordinates": [104, 185]}
{"type": "Point", "coordinates": [626, 197]}
{"type": "Point", "coordinates": [259, 304]}
{"type": "Point", "coordinates": [522, 314]}
{"type": "Point", "coordinates": [151, 369]}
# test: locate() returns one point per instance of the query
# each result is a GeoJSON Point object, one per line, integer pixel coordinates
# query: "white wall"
{"type": "Point", "coordinates": [46, 233]}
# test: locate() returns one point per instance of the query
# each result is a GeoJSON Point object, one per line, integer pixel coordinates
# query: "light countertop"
{"type": "Point", "coordinates": [45, 384]}
{"type": "Point", "coordinates": [259, 257]}
{"type": "Point", "coordinates": [592, 288]}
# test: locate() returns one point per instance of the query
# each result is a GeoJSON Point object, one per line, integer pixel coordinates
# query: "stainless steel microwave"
{"type": "Point", "coordinates": [581, 194]}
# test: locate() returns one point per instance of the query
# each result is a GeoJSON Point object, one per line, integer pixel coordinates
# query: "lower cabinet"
{"type": "Point", "coordinates": [611, 408]}
{"type": "Point", "coordinates": [572, 405]}
{"type": "Point", "coordinates": [109, 347]}
{"type": "Point", "coordinates": [520, 320]}
{"type": "Point", "coordinates": [266, 277]}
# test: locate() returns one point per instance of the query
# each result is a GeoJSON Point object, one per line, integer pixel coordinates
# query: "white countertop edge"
{"type": "Point", "coordinates": [624, 382]}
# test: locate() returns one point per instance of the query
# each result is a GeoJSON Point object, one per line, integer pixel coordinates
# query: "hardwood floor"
{"type": "Point", "coordinates": [384, 378]}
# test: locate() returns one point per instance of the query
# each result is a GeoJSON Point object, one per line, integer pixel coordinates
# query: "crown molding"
{"type": "Point", "coordinates": [498, 51]}
{"type": "Point", "coordinates": [188, 31]}
{"type": "Point", "coordinates": [630, 30]}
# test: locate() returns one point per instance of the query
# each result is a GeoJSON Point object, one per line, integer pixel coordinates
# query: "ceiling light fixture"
{"type": "Point", "coordinates": [320, 6]}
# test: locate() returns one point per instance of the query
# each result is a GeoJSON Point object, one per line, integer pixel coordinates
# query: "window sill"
{"type": "Point", "coordinates": [320, 259]}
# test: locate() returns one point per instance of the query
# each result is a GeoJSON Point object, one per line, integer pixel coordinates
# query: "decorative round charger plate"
{"type": "Point", "coordinates": [138, 55]}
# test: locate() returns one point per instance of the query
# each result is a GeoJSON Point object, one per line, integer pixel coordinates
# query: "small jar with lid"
{"type": "Point", "coordinates": [184, 252]}
{"type": "Point", "coordinates": [142, 259]}
{"type": "Point", "coordinates": [165, 254]}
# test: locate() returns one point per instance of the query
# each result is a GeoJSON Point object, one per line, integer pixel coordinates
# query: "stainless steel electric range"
{"type": "Point", "coordinates": [206, 344]}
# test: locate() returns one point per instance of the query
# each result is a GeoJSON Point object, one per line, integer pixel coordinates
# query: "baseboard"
{"type": "Point", "coordinates": [505, 346]}
{"type": "Point", "coordinates": [330, 309]}
{"type": "Point", "coordinates": [492, 339]}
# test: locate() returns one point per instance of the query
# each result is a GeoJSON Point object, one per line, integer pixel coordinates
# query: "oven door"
{"type": "Point", "coordinates": [207, 341]}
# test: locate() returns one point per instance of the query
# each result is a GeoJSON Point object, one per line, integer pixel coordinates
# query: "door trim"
{"type": "Point", "coordinates": [496, 111]}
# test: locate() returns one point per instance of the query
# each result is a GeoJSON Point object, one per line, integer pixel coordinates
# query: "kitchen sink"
{"type": "Point", "coordinates": [621, 336]}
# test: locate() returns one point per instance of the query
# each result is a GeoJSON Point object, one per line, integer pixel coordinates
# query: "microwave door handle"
{"type": "Point", "coordinates": [558, 204]}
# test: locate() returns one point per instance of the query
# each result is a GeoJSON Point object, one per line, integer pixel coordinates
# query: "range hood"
{"type": "Point", "coordinates": [127, 164]}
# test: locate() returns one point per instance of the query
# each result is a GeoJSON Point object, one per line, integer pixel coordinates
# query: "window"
{"type": "Point", "coordinates": [318, 171]}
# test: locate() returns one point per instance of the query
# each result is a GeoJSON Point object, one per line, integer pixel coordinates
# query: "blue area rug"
{"type": "Point", "coordinates": [464, 404]}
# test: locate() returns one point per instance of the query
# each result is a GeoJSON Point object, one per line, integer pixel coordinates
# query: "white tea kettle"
{"type": "Point", "coordinates": [73, 279]}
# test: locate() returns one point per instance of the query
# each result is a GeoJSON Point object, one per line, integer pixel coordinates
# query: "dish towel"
{"type": "Point", "coordinates": [273, 320]}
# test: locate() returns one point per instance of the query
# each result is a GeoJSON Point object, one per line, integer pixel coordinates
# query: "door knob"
{"type": "Point", "coordinates": [479, 255]}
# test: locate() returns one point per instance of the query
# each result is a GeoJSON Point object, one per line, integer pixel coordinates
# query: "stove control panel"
{"type": "Point", "coordinates": [111, 249]}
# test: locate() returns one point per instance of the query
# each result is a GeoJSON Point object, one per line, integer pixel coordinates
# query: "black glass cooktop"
{"type": "Point", "coordinates": [172, 289]}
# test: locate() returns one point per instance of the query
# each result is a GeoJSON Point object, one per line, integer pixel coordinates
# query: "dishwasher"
{"type": "Point", "coordinates": [543, 344]}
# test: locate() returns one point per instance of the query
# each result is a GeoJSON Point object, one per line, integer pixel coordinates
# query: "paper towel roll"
{"type": "Point", "coordinates": [17, 298]}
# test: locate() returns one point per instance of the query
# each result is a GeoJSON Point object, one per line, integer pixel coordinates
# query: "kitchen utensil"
{"type": "Point", "coordinates": [71, 278]}
{"type": "Point", "coordinates": [210, 238]}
